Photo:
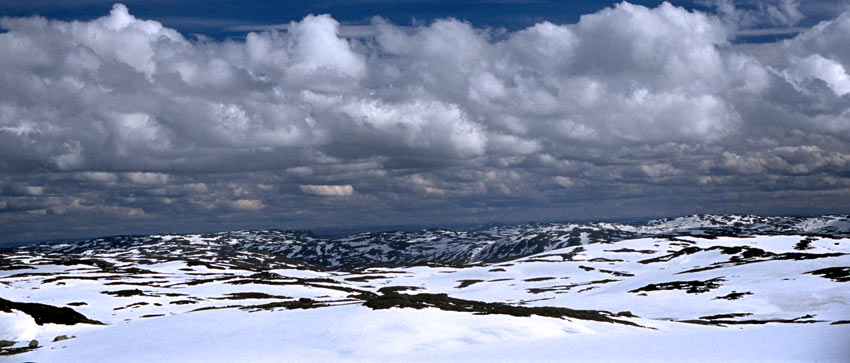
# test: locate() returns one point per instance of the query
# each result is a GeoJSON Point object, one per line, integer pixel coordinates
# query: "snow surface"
{"type": "Point", "coordinates": [784, 311]}
{"type": "Point", "coordinates": [357, 334]}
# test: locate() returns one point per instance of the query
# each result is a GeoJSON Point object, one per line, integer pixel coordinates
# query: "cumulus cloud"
{"type": "Point", "coordinates": [328, 190]}
{"type": "Point", "coordinates": [748, 14]}
{"type": "Point", "coordinates": [247, 204]}
{"type": "Point", "coordinates": [146, 178]}
{"type": "Point", "coordinates": [634, 104]}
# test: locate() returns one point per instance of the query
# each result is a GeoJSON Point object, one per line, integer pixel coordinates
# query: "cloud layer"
{"type": "Point", "coordinates": [632, 111]}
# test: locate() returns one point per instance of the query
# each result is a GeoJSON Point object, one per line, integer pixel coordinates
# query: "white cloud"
{"type": "Point", "coordinates": [758, 13]}
{"type": "Point", "coordinates": [146, 178]}
{"type": "Point", "coordinates": [816, 66]}
{"type": "Point", "coordinates": [99, 176]}
{"type": "Point", "coordinates": [246, 204]}
{"type": "Point", "coordinates": [564, 181]}
{"type": "Point", "coordinates": [446, 90]}
{"type": "Point", "coordinates": [628, 96]}
{"type": "Point", "coordinates": [328, 190]}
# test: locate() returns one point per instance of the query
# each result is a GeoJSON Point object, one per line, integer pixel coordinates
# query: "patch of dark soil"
{"type": "Point", "coordinates": [444, 302]}
{"type": "Point", "coordinates": [182, 302]}
{"type": "Point", "coordinates": [17, 350]}
{"type": "Point", "coordinates": [840, 322]}
{"type": "Point", "coordinates": [691, 287]}
{"type": "Point", "coordinates": [205, 308]}
{"type": "Point", "coordinates": [733, 295]}
{"type": "Point", "coordinates": [60, 338]}
{"type": "Point", "coordinates": [805, 244]}
{"type": "Point", "coordinates": [146, 283]}
{"type": "Point", "coordinates": [603, 259]}
{"type": "Point", "coordinates": [668, 257]}
{"type": "Point", "coordinates": [298, 281]}
{"type": "Point", "coordinates": [629, 250]}
{"type": "Point", "coordinates": [191, 262]}
{"type": "Point", "coordinates": [28, 274]}
{"type": "Point", "coordinates": [535, 279]}
{"type": "Point", "coordinates": [391, 289]}
{"type": "Point", "coordinates": [125, 293]}
{"type": "Point", "coordinates": [73, 277]}
{"type": "Point", "coordinates": [753, 255]}
{"type": "Point", "coordinates": [302, 303]}
{"type": "Point", "coordinates": [137, 271]}
{"type": "Point", "coordinates": [265, 275]}
{"type": "Point", "coordinates": [837, 274]}
{"type": "Point", "coordinates": [103, 265]}
{"type": "Point", "coordinates": [725, 316]}
{"type": "Point", "coordinates": [319, 280]}
{"type": "Point", "coordinates": [795, 256]}
{"type": "Point", "coordinates": [616, 273]}
{"type": "Point", "coordinates": [569, 256]}
{"type": "Point", "coordinates": [465, 283]}
{"type": "Point", "coordinates": [15, 267]}
{"type": "Point", "coordinates": [249, 295]}
{"type": "Point", "coordinates": [498, 280]}
{"type": "Point", "coordinates": [365, 278]}
{"type": "Point", "coordinates": [206, 281]}
{"type": "Point", "coordinates": [801, 320]}
{"type": "Point", "coordinates": [76, 303]}
{"type": "Point", "coordinates": [497, 270]}
{"type": "Point", "coordinates": [152, 316]}
{"type": "Point", "coordinates": [586, 268]}
{"type": "Point", "coordinates": [43, 313]}
{"type": "Point", "coordinates": [565, 288]}
{"type": "Point", "coordinates": [675, 239]}
{"type": "Point", "coordinates": [133, 305]}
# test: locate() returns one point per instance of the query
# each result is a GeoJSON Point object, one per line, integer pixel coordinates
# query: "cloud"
{"type": "Point", "coordinates": [145, 178]}
{"type": "Point", "coordinates": [628, 108]}
{"type": "Point", "coordinates": [564, 181]}
{"type": "Point", "coordinates": [750, 14]}
{"type": "Point", "coordinates": [328, 190]}
{"type": "Point", "coordinates": [247, 205]}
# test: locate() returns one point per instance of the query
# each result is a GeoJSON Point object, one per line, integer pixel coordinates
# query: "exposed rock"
{"type": "Point", "coordinates": [62, 337]}
{"type": "Point", "coordinates": [43, 313]}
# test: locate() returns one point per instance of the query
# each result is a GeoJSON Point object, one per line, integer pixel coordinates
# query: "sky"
{"type": "Point", "coordinates": [197, 116]}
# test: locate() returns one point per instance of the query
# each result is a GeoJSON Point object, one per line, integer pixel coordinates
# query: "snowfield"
{"type": "Point", "coordinates": [690, 289]}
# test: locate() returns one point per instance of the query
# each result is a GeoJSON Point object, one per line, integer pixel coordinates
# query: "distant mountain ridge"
{"type": "Point", "coordinates": [263, 249]}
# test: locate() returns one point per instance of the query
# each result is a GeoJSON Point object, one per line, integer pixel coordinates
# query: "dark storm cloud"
{"type": "Point", "coordinates": [122, 124]}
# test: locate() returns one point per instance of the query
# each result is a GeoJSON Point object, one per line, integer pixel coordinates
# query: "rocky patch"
{"type": "Point", "coordinates": [691, 287]}
{"type": "Point", "coordinates": [43, 313]}
{"type": "Point", "coordinates": [837, 274]}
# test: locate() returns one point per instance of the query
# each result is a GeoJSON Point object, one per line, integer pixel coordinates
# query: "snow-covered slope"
{"type": "Point", "coordinates": [676, 290]}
